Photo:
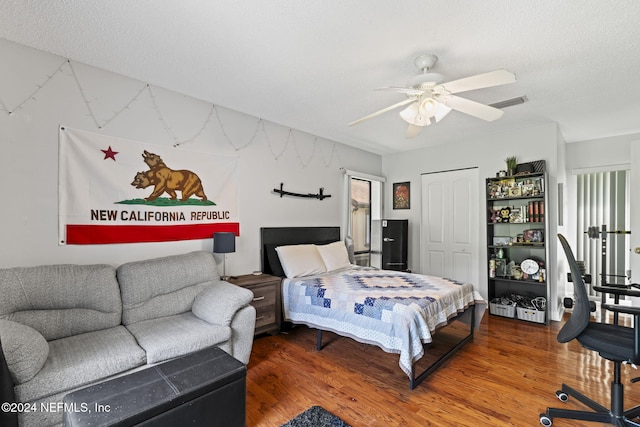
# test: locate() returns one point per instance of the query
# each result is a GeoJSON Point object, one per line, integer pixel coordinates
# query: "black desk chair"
{"type": "Point", "coordinates": [618, 344]}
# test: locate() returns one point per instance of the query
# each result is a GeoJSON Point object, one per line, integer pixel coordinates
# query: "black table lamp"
{"type": "Point", "coordinates": [224, 243]}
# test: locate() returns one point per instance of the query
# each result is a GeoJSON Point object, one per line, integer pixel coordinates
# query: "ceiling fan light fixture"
{"type": "Point", "coordinates": [428, 107]}
{"type": "Point", "coordinates": [441, 111]}
{"type": "Point", "coordinates": [414, 116]}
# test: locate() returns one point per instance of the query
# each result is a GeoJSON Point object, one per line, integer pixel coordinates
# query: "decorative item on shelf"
{"type": "Point", "coordinates": [524, 168]}
{"type": "Point", "coordinates": [529, 267]}
{"type": "Point", "coordinates": [533, 236]}
{"type": "Point", "coordinates": [516, 216]}
{"type": "Point", "coordinates": [501, 240]}
{"type": "Point", "coordinates": [495, 215]}
{"type": "Point", "coordinates": [492, 267]}
{"type": "Point", "coordinates": [501, 267]}
{"type": "Point", "coordinates": [501, 174]}
{"type": "Point", "coordinates": [224, 243]}
{"type": "Point", "coordinates": [515, 191]}
{"type": "Point", "coordinates": [516, 272]}
{"type": "Point", "coordinates": [320, 195]}
{"type": "Point", "coordinates": [505, 214]}
{"type": "Point", "coordinates": [512, 164]}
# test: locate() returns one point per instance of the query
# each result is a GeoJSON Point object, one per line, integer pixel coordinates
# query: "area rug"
{"type": "Point", "coordinates": [316, 416]}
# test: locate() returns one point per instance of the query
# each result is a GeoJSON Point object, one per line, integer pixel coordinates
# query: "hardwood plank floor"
{"type": "Point", "coordinates": [506, 376]}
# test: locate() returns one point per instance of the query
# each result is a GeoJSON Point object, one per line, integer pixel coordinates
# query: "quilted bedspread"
{"type": "Point", "coordinates": [396, 311]}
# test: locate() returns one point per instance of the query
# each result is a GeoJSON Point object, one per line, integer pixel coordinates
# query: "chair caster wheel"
{"type": "Point", "coordinates": [544, 420]}
{"type": "Point", "coordinates": [568, 303]}
{"type": "Point", "coordinates": [562, 396]}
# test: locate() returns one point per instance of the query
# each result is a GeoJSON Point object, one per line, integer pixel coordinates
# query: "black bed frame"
{"type": "Point", "coordinates": [271, 237]}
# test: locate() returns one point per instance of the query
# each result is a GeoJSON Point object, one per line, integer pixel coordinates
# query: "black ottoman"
{"type": "Point", "coordinates": [206, 388]}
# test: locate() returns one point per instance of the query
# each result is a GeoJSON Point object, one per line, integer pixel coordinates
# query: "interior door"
{"type": "Point", "coordinates": [450, 225]}
{"type": "Point", "coordinates": [634, 214]}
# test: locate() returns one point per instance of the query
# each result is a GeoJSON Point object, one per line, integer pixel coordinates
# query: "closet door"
{"type": "Point", "coordinates": [450, 225]}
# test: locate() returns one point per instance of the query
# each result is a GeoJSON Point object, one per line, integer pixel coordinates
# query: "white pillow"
{"type": "Point", "coordinates": [300, 260]}
{"type": "Point", "coordinates": [334, 255]}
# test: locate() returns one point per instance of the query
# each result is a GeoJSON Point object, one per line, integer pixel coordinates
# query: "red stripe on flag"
{"type": "Point", "coordinates": [104, 234]}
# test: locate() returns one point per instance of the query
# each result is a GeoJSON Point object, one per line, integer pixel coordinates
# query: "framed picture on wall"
{"type": "Point", "coordinates": [401, 195]}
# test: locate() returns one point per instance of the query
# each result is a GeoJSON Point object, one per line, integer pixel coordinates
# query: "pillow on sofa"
{"type": "Point", "coordinates": [334, 255]}
{"type": "Point", "coordinates": [24, 348]}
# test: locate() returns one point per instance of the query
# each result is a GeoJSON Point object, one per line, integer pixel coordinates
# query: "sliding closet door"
{"type": "Point", "coordinates": [450, 225]}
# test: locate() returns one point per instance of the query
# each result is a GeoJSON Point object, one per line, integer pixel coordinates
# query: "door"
{"type": "Point", "coordinates": [450, 225]}
{"type": "Point", "coordinates": [394, 244]}
{"type": "Point", "coordinates": [634, 214]}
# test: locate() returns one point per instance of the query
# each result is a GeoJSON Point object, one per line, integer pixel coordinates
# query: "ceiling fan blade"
{"type": "Point", "coordinates": [472, 108]}
{"type": "Point", "coordinates": [480, 81]}
{"type": "Point", "coordinates": [405, 90]}
{"type": "Point", "coordinates": [384, 110]}
{"type": "Point", "coordinates": [413, 131]}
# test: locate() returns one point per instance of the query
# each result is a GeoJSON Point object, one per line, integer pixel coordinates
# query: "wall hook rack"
{"type": "Point", "coordinates": [319, 196]}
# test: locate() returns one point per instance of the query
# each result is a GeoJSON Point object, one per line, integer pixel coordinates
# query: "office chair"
{"type": "Point", "coordinates": [619, 344]}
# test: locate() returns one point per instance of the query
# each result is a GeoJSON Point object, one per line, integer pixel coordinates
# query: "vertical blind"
{"type": "Point", "coordinates": [603, 200]}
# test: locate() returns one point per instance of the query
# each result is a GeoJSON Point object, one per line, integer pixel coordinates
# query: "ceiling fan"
{"type": "Point", "coordinates": [429, 98]}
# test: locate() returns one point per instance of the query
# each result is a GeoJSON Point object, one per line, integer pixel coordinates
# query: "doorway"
{"type": "Point", "coordinates": [365, 216]}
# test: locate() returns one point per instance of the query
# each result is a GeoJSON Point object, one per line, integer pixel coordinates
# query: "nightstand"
{"type": "Point", "coordinates": [266, 299]}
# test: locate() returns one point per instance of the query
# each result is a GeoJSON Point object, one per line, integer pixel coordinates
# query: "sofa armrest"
{"type": "Point", "coordinates": [7, 394]}
{"type": "Point", "coordinates": [218, 304]}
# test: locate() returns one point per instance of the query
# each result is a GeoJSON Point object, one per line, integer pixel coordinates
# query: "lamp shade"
{"type": "Point", "coordinates": [224, 242]}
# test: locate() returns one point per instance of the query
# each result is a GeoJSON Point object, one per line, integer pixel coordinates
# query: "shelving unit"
{"type": "Point", "coordinates": [516, 251]}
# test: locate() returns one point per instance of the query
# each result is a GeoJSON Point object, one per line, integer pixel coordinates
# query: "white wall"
{"type": "Point", "coordinates": [487, 153]}
{"type": "Point", "coordinates": [29, 159]}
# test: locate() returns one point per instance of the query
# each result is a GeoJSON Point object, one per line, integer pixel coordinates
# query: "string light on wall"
{"type": "Point", "coordinates": [32, 96]}
{"type": "Point", "coordinates": [166, 126]}
{"type": "Point", "coordinates": [224, 132]}
{"type": "Point", "coordinates": [213, 109]}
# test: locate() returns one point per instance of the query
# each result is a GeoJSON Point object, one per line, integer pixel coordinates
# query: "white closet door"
{"type": "Point", "coordinates": [450, 225]}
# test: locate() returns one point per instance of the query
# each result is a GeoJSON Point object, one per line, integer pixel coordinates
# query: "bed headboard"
{"type": "Point", "coordinates": [271, 237]}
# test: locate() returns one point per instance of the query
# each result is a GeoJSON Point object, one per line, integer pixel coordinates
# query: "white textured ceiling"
{"type": "Point", "coordinates": [312, 65]}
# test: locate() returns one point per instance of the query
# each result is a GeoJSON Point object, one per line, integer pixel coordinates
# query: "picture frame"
{"type": "Point", "coordinates": [402, 195]}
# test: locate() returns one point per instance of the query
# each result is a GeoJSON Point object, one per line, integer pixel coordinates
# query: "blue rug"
{"type": "Point", "coordinates": [316, 416]}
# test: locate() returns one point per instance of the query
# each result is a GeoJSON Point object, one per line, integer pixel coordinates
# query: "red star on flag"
{"type": "Point", "coordinates": [109, 154]}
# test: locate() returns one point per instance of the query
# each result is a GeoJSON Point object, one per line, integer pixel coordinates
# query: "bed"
{"type": "Point", "coordinates": [396, 311]}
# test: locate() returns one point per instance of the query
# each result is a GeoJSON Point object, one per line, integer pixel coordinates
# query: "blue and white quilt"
{"type": "Point", "coordinates": [394, 310]}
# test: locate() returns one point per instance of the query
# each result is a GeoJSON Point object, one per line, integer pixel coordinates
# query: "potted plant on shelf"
{"type": "Point", "coordinates": [512, 164]}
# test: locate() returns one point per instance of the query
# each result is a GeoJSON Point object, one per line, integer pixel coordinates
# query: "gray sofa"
{"type": "Point", "coordinates": [63, 327]}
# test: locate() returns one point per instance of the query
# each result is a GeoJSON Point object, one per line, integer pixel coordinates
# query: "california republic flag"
{"type": "Point", "coordinates": [114, 190]}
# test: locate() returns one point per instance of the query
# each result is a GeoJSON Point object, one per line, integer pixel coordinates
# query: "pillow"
{"type": "Point", "coordinates": [334, 256]}
{"type": "Point", "coordinates": [300, 260]}
{"type": "Point", "coordinates": [274, 261]}
{"type": "Point", "coordinates": [24, 348]}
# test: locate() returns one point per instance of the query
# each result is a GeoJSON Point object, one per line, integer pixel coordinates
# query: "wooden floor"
{"type": "Point", "coordinates": [506, 376]}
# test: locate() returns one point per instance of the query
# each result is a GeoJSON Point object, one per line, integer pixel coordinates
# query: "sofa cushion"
{"type": "Point", "coordinates": [24, 348]}
{"type": "Point", "coordinates": [174, 336]}
{"type": "Point", "coordinates": [218, 303]}
{"type": "Point", "coordinates": [82, 359]}
{"type": "Point", "coordinates": [61, 300]}
{"type": "Point", "coordinates": [164, 286]}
